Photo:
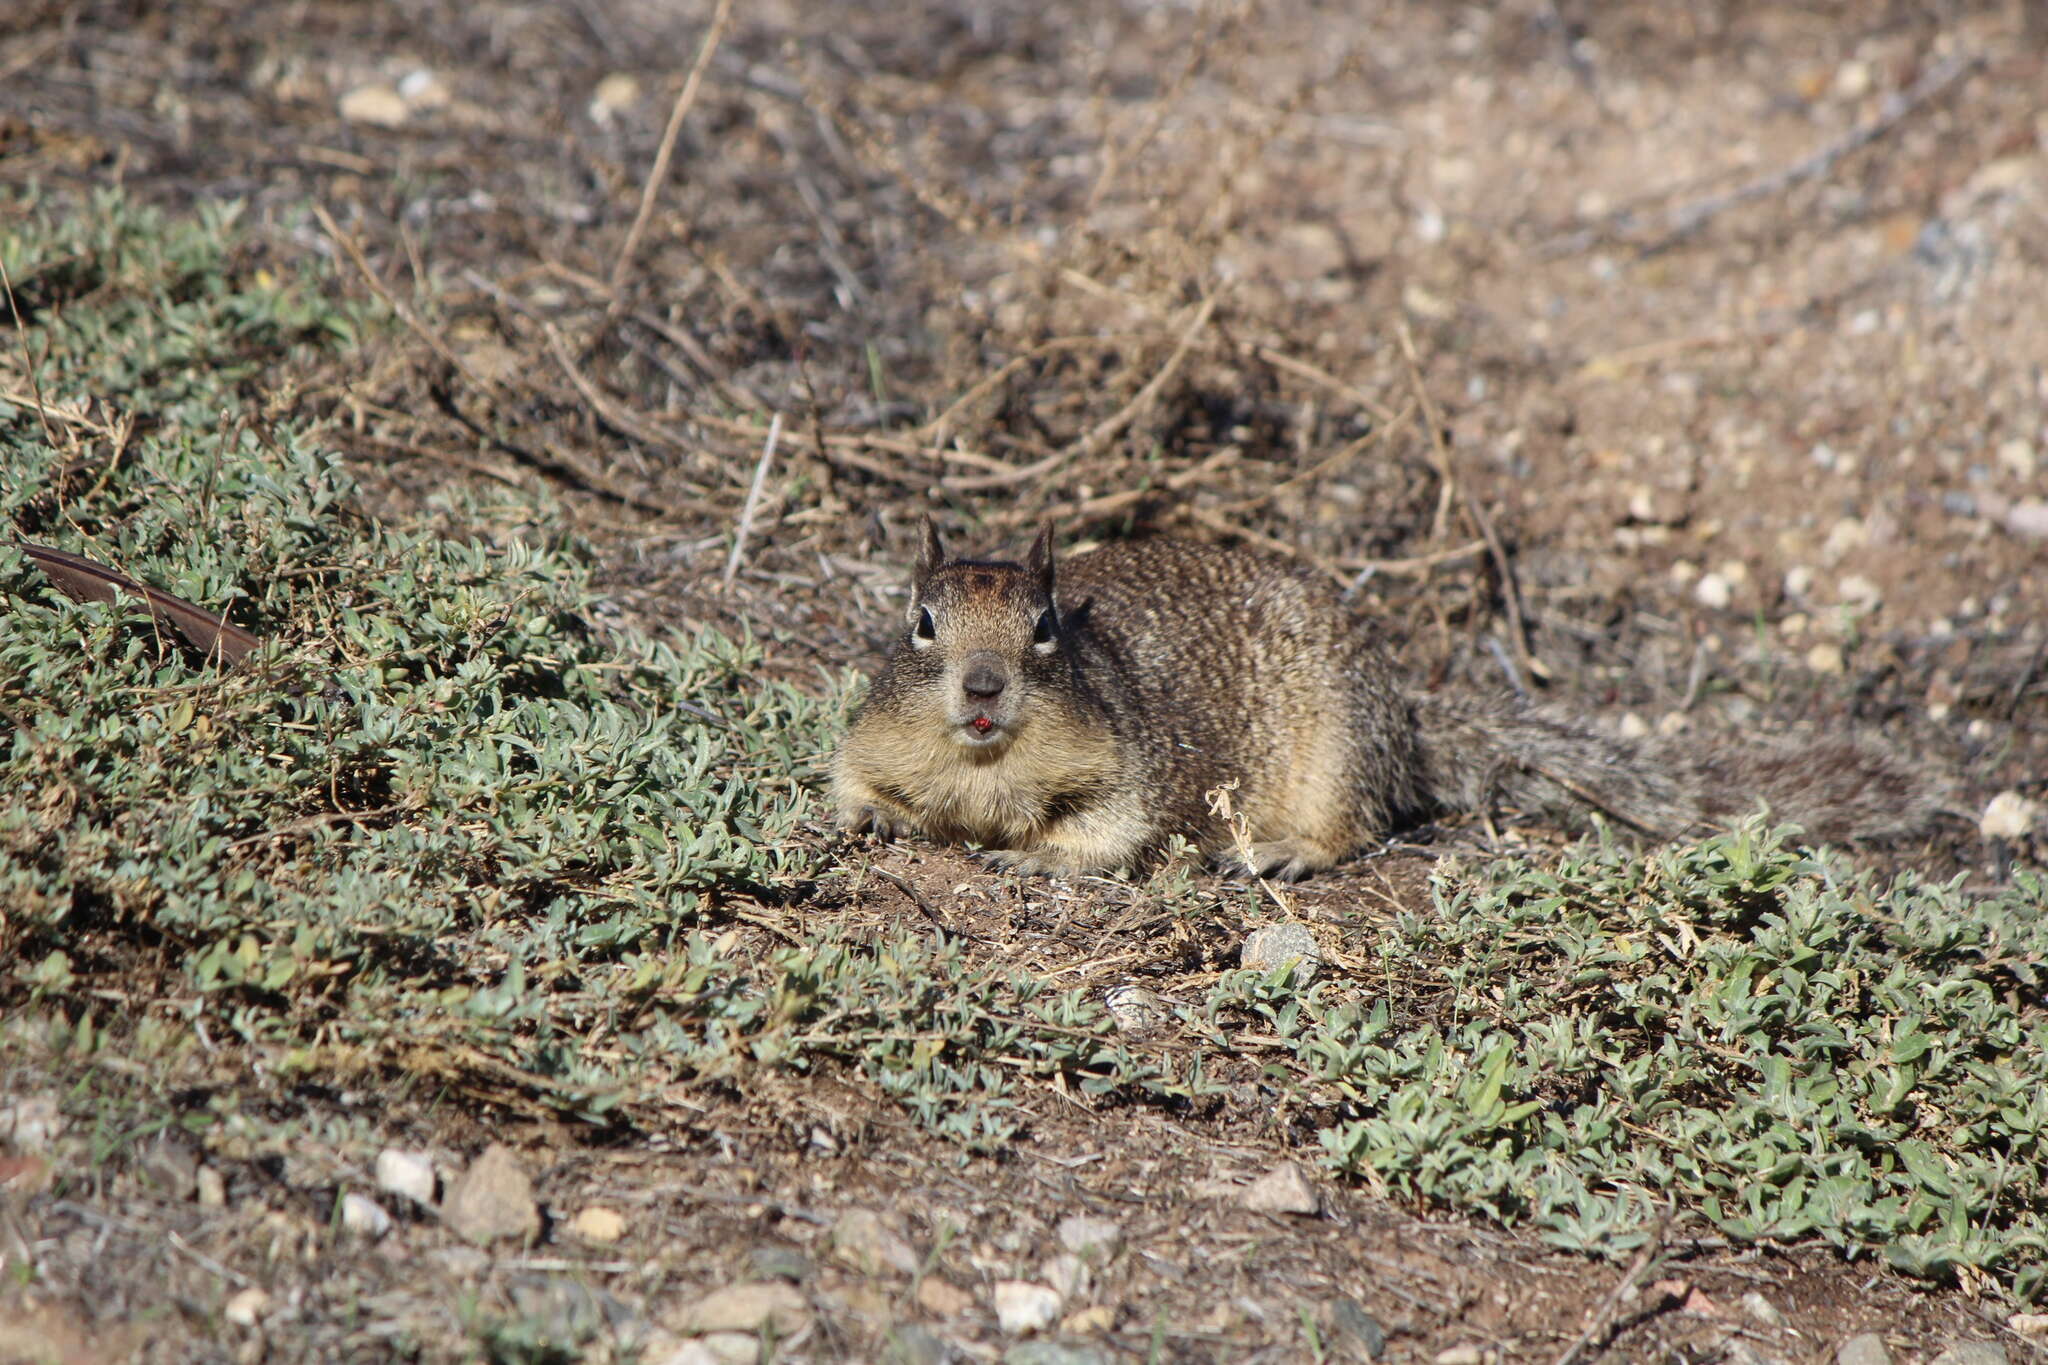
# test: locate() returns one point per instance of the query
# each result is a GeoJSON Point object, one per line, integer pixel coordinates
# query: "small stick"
{"type": "Point", "coordinates": [1510, 593]}
{"type": "Point", "coordinates": [1894, 110]}
{"type": "Point", "coordinates": [652, 188]}
{"type": "Point", "coordinates": [411, 319]}
{"type": "Point", "coordinates": [33, 370]}
{"type": "Point", "coordinates": [1604, 1313]}
{"type": "Point", "coordinates": [1104, 431]}
{"type": "Point", "coordinates": [739, 538]}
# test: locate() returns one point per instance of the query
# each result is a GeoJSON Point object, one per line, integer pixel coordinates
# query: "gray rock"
{"type": "Point", "coordinates": [1352, 1323]}
{"type": "Point", "coordinates": [864, 1241]}
{"type": "Point", "coordinates": [1761, 1309]}
{"type": "Point", "coordinates": [172, 1166]}
{"type": "Point", "coordinates": [31, 1124]}
{"type": "Point", "coordinates": [1273, 947]}
{"type": "Point", "coordinates": [1973, 1353]}
{"type": "Point", "coordinates": [910, 1344]}
{"type": "Point", "coordinates": [1067, 1274]}
{"type": "Point", "coordinates": [781, 1263]}
{"type": "Point", "coordinates": [1866, 1348]}
{"type": "Point", "coordinates": [744, 1308]}
{"type": "Point", "coordinates": [1056, 1353]}
{"type": "Point", "coordinates": [492, 1200]}
{"type": "Point", "coordinates": [1135, 1009]}
{"type": "Point", "coordinates": [1086, 1235]}
{"type": "Point", "coordinates": [1284, 1189]}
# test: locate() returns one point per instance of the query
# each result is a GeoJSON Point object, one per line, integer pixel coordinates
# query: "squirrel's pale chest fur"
{"type": "Point", "coordinates": [1072, 721]}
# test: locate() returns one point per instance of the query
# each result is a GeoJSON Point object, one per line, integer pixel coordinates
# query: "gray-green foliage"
{"type": "Point", "coordinates": [436, 740]}
{"type": "Point", "coordinates": [442, 818]}
{"type": "Point", "coordinates": [1738, 1026]}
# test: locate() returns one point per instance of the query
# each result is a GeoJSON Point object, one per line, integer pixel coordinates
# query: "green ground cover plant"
{"type": "Point", "coordinates": [448, 821]}
{"type": "Point", "coordinates": [1739, 1029]}
{"type": "Point", "coordinates": [442, 814]}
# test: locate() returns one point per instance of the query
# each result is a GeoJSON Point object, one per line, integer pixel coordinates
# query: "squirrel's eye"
{"type": "Point", "coordinates": [926, 628]}
{"type": "Point", "coordinates": [1046, 626]}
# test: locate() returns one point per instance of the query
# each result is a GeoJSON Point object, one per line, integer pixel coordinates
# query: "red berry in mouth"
{"type": "Point", "coordinates": [982, 725]}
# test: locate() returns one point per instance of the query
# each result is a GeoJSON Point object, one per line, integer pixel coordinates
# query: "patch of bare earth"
{"type": "Point", "coordinates": [1730, 321]}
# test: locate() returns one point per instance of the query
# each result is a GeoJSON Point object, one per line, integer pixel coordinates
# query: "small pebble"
{"type": "Point", "coordinates": [246, 1307]}
{"type": "Point", "coordinates": [1135, 1008]}
{"type": "Point", "coordinates": [2029, 519]}
{"type": "Point", "coordinates": [1826, 657]}
{"type": "Point", "coordinates": [1284, 1189]}
{"type": "Point", "coordinates": [1085, 1235]}
{"type": "Point", "coordinates": [492, 1200]}
{"type": "Point", "coordinates": [377, 105]}
{"type": "Point", "coordinates": [2010, 815]}
{"type": "Point", "coordinates": [408, 1173]}
{"type": "Point", "coordinates": [2034, 1325]}
{"type": "Point", "coordinates": [865, 1242]}
{"type": "Point", "coordinates": [1277, 945]}
{"type": "Point", "coordinates": [1714, 591]}
{"type": "Point", "coordinates": [1868, 1348]}
{"type": "Point", "coordinates": [598, 1225]}
{"type": "Point", "coordinates": [1461, 1355]}
{"type": "Point", "coordinates": [1023, 1307]}
{"type": "Point", "coordinates": [1762, 1309]}
{"type": "Point", "coordinates": [422, 89]}
{"type": "Point", "coordinates": [1860, 592]}
{"type": "Point", "coordinates": [942, 1298]}
{"type": "Point", "coordinates": [212, 1188]}
{"type": "Point", "coordinates": [1067, 1274]}
{"type": "Point", "coordinates": [1973, 1353]}
{"type": "Point", "coordinates": [360, 1213]}
{"type": "Point", "coordinates": [2017, 456]}
{"type": "Point", "coordinates": [745, 1308]}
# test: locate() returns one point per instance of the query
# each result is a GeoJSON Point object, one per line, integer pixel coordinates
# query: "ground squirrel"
{"type": "Point", "coordinates": [1071, 722]}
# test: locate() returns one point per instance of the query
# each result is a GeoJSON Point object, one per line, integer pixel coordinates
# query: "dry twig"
{"type": "Point", "coordinates": [651, 190]}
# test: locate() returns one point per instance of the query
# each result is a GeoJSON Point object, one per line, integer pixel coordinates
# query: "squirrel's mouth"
{"type": "Point", "coordinates": [980, 729]}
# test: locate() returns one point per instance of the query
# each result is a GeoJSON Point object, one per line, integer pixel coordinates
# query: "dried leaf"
{"type": "Point", "coordinates": [82, 580]}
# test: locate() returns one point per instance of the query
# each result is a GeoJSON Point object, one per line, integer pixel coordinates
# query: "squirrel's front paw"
{"type": "Point", "coordinates": [1030, 862]}
{"type": "Point", "coordinates": [872, 820]}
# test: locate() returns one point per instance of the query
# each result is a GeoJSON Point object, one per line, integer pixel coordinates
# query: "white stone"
{"type": "Point", "coordinates": [1762, 1309]}
{"type": "Point", "coordinates": [422, 89]}
{"type": "Point", "coordinates": [247, 1307]}
{"type": "Point", "coordinates": [1826, 657]}
{"type": "Point", "coordinates": [1022, 1306]}
{"type": "Point", "coordinates": [1714, 591]}
{"type": "Point", "coordinates": [1860, 592]}
{"type": "Point", "coordinates": [360, 1213]}
{"type": "Point", "coordinates": [377, 105]}
{"type": "Point", "coordinates": [2009, 815]}
{"type": "Point", "coordinates": [2018, 457]}
{"type": "Point", "coordinates": [408, 1173]}
{"type": "Point", "coordinates": [598, 1225]}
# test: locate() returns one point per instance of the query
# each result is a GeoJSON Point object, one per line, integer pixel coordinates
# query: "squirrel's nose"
{"type": "Point", "coordinates": [983, 681]}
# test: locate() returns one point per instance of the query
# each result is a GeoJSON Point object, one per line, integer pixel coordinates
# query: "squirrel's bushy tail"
{"type": "Point", "coordinates": [1477, 753]}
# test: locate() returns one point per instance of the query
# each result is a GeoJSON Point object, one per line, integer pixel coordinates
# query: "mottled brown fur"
{"type": "Point", "coordinates": [1074, 721]}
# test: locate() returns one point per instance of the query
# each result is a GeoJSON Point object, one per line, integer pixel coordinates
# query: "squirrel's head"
{"type": "Point", "coordinates": [983, 641]}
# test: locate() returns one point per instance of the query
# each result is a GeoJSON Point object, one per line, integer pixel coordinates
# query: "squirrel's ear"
{"type": "Point", "coordinates": [1039, 562]}
{"type": "Point", "coordinates": [930, 552]}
